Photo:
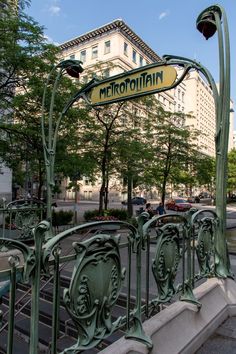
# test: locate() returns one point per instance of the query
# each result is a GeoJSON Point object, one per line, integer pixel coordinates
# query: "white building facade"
{"type": "Point", "coordinates": [116, 48]}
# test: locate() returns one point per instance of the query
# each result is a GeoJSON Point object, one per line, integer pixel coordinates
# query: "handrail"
{"type": "Point", "coordinates": [98, 273]}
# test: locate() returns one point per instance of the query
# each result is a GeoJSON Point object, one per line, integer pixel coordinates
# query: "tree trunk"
{"type": "Point", "coordinates": [106, 200]}
{"type": "Point", "coordinates": [101, 195]}
{"type": "Point", "coordinates": [163, 191]}
{"type": "Point", "coordinates": [129, 192]}
{"type": "Point", "coordinates": [103, 186]}
{"type": "Point", "coordinates": [40, 180]}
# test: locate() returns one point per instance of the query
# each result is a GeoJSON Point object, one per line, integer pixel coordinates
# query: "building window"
{"type": "Point", "coordinates": [94, 52]}
{"type": "Point", "coordinates": [134, 56]}
{"type": "Point", "coordinates": [107, 47]}
{"type": "Point", "coordinates": [182, 96]}
{"type": "Point", "coordinates": [87, 181]}
{"type": "Point", "coordinates": [140, 61]}
{"type": "Point", "coordinates": [178, 94]}
{"type": "Point", "coordinates": [106, 73]}
{"type": "Point", "coordinates": [125, 49]}
{"type": "Point", "coordinates": [72, 56]}
{"type": "Point", "coordinates": [83, 56]}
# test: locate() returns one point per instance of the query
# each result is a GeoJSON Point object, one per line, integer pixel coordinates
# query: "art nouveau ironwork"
{"type": "Point", "coordinates": [193, 244]}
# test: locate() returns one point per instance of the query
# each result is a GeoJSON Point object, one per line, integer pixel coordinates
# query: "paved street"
{"type": "Point", "coordinates": [84, 205]}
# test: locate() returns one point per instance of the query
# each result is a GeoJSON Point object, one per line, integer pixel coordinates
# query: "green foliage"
{"type": "Point", "coordinates": [172, 149]}
{"type": "Point", "coordinates": [62, 217]}
{"type": "Point", "coordinates": [23, 49]}
{"type": "Point", "coordinates": [110, 214]}
{"type": "Point", "coordinates": [231, 183]}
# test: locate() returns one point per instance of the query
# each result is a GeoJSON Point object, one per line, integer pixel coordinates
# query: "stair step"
{"type": "Point", "coordinates": [67, 329]}
{"type": "Point", "coordinates": [20, 346]}
{"type": "Point", "coordinates": [45, 332]}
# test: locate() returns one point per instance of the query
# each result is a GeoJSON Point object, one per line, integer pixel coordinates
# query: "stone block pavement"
{"type": "Point", "coordinates": [223, 341]}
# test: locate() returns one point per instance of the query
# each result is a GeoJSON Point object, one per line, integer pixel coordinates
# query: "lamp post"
{"type": "Point", "coordinates": [50, 124]}
{"type": "Point", "coordinates": [213, 19]}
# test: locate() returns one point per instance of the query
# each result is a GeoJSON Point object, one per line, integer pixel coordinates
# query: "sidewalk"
{"type": "Point", "coordinates": [223, 341]}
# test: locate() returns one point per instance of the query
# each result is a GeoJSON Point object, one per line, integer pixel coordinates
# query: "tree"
{"type": "Point", "coordinates": [173, 147]}
{"type": "Point", "coordinates": [133, 151]}
{"type": "Point", "coordinates": [24, 50]}
{"type": "Point", "coordinates": [96, 138]}
{"type": "Point", "coordinates": [232, 171]}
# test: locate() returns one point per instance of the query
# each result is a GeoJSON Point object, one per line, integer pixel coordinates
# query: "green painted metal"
{"type": "Point", "coordinates": [96, 283]}
{"type": "Point", "coordinates": [49, 127]}
{"type": "Point", "coordinates": [98, 273]}
{"type": "Point", "coordinates": [194, 241]}
{"type": "Point", "coordinates": [56, 302]}
{"type": "Point", "coordinates": [94, 289]}
{"type": "Point", "coordinates": [205, 242]}
{"type": "Point", "coordinates": [136, 331]}
{"type": "Point", "coordinates": [20, 217]}
{"type": "Point", "coordinates": [173, 243]}
{"type": "Point", "coordinates": [210, 20]}
{"type": "Point", "coordinates": [39, 234]}
{"type": "Point", "coordinates": [166, 261]}
{"type": "Point", "coordinates": [14, 262]}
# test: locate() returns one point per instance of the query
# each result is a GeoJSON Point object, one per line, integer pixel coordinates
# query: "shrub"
{"type": "Point", "coordinates": [62, 217]}
{"type": "Point", "coordinates": [120, 214]}
{"type": "Point", "coordinates": [104, 218]}
{"type": "Point", "coordinates": [110, 214]}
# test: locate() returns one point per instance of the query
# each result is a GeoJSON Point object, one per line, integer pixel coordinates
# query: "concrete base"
{"type": "Point", "coordinates": [181, 327]}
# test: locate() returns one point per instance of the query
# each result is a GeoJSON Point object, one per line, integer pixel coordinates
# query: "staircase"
{"type": "Point", "coordinates": [67, 335]}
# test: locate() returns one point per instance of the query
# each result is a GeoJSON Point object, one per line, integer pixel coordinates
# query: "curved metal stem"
{"type": "Point", "coordinates": [210, 17]}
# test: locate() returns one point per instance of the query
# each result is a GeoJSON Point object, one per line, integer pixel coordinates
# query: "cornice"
{"type": "Point", "coordinates": [116, 25]}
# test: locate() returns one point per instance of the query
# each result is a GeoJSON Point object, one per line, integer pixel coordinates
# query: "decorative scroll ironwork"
{"type": "Point", "coordinates": [166, 261]}
{"type": "Point", "coordinates": [97, 277]}
{"type": "Point", "coordinates": [204, 226]}
{"type": "Point", "coordinates": [22, 215]}
{"type": "Point", "coordinates": [27, 253]}
{"type": "Point", "coordinates": [173, 244]}
{"type": "Point", "coordinates": [94, 289]}
{"type": "Point", "coordinates": [205, 246]}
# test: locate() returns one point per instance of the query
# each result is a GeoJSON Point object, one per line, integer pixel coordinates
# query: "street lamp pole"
{"type": "Point", "coordinates": [209, 21]}
{"type": "Point", "coordinates": [50, 125]}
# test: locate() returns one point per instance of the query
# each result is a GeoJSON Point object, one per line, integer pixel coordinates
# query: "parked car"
{"type": "Point", "coordinates": [195, 199]}
{"type": "Point", "coordinates": [204, 195]}
{"type": "Point", "coordinates": [178, 204]}
{"type": "Point", "coordinates": [136, 200]}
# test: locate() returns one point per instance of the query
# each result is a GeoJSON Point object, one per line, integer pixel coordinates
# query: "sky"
{"type": "Point", "coordinates": [167, 26]}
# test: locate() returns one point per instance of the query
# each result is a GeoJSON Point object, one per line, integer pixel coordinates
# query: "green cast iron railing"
{"type": "Point", "coordinates": [102, 261]}
{"type": "Point", "coordinates": [192, 245]}
{"type": "Point", "coordinates": [19, 217]}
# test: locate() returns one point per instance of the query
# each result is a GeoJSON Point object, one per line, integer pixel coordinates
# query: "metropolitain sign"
{"type": "Point", "coordinates": [133, 84]}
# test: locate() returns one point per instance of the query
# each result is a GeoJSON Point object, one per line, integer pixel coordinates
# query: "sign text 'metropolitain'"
{"type": "Point", "coordinates": [130, 85]}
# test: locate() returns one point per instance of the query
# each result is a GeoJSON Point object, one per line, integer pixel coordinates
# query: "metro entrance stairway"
{"type": "Point", "coordinates": [67, 332]}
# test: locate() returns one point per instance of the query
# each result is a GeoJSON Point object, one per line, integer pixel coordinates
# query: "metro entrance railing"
{"type": "Point", "coordinates": [103, 260]}
{"type": "Point", "coordinates": [193, 244]}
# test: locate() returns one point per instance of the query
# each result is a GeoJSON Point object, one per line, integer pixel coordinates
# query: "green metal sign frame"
{"type": "Point", "coordinates": [209, 21]}
{"type": "Point", "coordinates": [146, 80]}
